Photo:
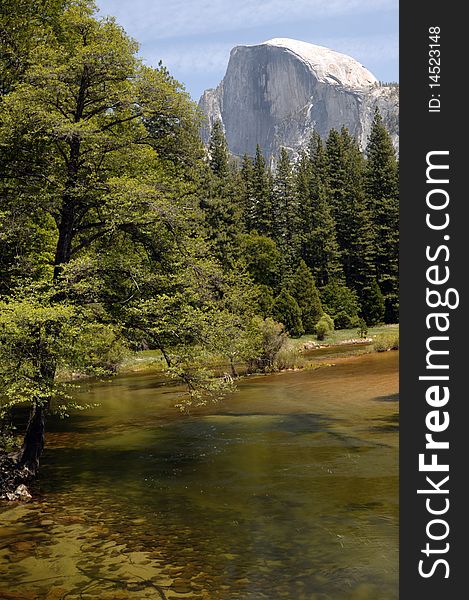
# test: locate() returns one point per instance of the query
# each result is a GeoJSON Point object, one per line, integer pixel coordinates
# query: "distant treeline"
{"type": "Point", "coordinates": [332, 214]}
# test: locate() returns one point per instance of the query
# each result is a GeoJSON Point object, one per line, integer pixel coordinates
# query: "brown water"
{"type": "Point", "coordinates": [288, 489]}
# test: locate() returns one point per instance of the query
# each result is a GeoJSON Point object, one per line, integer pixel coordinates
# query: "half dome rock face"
{"type": "Point", "coordinates": [274, 94]}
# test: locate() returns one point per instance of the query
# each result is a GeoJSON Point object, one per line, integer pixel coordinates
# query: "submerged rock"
{"type": "Point", "coordinates": [13, 479]}
{"type": "Point", "coordinates": [21, 493]}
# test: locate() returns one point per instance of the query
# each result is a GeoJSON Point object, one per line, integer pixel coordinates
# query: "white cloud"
{"type": "Point", "coordinates": [213, 57]}
{"type": "Point", "coordinates": [166, 19]}
{"type": "Point", "coordinates": [365, 48]}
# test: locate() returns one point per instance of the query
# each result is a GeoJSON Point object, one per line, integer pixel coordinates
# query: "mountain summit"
{"type": "Point", "coordinates": [275, 93]}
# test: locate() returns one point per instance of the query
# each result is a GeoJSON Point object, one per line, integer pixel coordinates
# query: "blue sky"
{"type": "Point", "coordinates": [193, 38]}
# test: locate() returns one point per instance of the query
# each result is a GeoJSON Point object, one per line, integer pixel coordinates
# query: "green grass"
{"type": "Point", "coordinates": [341, 335]}
{"type": "Point", "coordinates": [384, 336]}
{"type": "Point", "coordinates": [143, 361]}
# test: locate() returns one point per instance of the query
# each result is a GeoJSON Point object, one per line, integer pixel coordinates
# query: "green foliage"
{"type": "Point", "coordinates": [342, 320]}
{"type": "Point", "coordinates": [262, 257]}
{"type": "Point", "coordinates": [261, 186]}
{"type": "Point", "coordinates": [372, 303]}
{"type": "Point", "coordinates": [286, 310]}
{"type": "Point", "coordinates": [382, 188]}
{"type": "Point", "coordinates": [346, 172]}
{"type": "Point", "coordinates": [363, 328]}
{"type": "Point", "coordinates": [317, 232]}
{"type": "Point", "coordinates": [303, 289]}
{"type": "Point", "coordinates": [285, 214]}
{"type": "Point", "coordinates": [38, 336]}
{"type": "Point", "coordinates": [267, 339]}
{"type": "Point", "coordinates": [385, 342]}
{"type": "Point", "coordinates": [341, 303]}
{"type": "Point", "coordinates": [324, 327]}
{"type": "Point", "coordinates": [289, 357]}
{"type": "Point", "coordinates": [218, 151]}
{"type": "Point", "coordinates": [265, 300]}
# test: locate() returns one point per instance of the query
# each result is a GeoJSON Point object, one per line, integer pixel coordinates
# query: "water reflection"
{"type": "Point", "coordinates": [288, 489]}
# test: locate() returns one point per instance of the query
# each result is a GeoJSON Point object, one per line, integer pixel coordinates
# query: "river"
{"type": "Point", "coordinates": [286, 489]}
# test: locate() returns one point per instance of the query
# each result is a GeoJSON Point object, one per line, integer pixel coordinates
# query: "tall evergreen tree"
{"type": "Point", "coordinates": [285, 214]}
{"type": "Point", "coordinates": [346, 171]}
{"type": "Point", "coordinates": [320, 247]}
{"type": "Point", "coordinates": [220, 204]}
{"type": "Point", "coordinates": [246, 193]}
{"type": "Point", "coordinates": [262, 195]}
{"type": "Point", "coordinates": [303, 288]}
{"type": "Point", "coordinates": [382, 189]}
{"type": "Point", "coordinates": [219, 156]}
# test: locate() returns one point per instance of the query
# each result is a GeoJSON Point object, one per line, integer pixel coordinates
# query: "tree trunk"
{"type": "Point", "coordinates": [234, 372]}
{"type": "Point", "coordinates": [64, 242]}
{"type": "Point", "coordinates": [33, 443]}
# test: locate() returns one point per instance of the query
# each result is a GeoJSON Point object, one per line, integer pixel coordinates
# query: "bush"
{"type": "Point", "coordinates": [385, 342]}
{"type": "Point", "coordinates": [362, 328]}
{"type": "Point", "coordinates": [264, 340]}
{"type": "Point", "coordinates": [324, 327]}
{"type": "Point", "coordinates": [262, 256]}
{"type": "Point", "coordinates": [289, 358]}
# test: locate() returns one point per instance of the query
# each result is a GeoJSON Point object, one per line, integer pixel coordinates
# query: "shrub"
{"type": "Point", "coordinates": [289, 358]}
{"type": "Point", "coordinates": [264, 340]}
{"type": "Point", "coordinates": [324, 327]}
{"type": "Point", "coordinates": [362, 328]}
{"type": "Point", "coordinates": [385, 342]}
{"type": "Point", "coordinates": [265, 300]}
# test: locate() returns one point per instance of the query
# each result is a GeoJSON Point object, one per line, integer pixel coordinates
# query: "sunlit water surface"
{"type": "Point", "coordinates": [287, 489]}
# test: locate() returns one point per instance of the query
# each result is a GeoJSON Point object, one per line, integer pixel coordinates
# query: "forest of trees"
{"type": "Point", "coordinates": [120, 231]}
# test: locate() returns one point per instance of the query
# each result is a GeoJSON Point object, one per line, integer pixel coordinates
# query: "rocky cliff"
{"type": "Point", "coordinates": [274, 94]}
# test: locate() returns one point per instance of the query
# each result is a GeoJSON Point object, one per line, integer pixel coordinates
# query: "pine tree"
{"type": "Point", "coordinates": [246, 193]}
{"type": "Point", "coordinates": [220, 204]}
{"type": "Point", "coordinates": [285, 216]}
{"type": "Point", "coordinates": [382, 189]}
{"type": "Point", "coordinates": [286, 310]}
{"type": "Point", "coordinates": [373, 304]}
{"type": "Point", "coordinates": [262, 195]}
{"type": "Point", "coordinates": [346, 170]}
{"type": "Point", "coordinates": [303, 289]}
{"type": "Point", "coordinates": [320, 247]}
{"type": "Point", "coordinates": [219, 156]}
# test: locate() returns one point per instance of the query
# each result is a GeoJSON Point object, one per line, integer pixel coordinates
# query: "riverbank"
{"type": "Point", "coordinates": [298, 352]}
{"type": "Point", "coordinates": [304, 353]}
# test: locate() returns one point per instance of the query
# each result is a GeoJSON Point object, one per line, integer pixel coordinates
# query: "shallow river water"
{"type": "Point", "coordinates": [287, 489]}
